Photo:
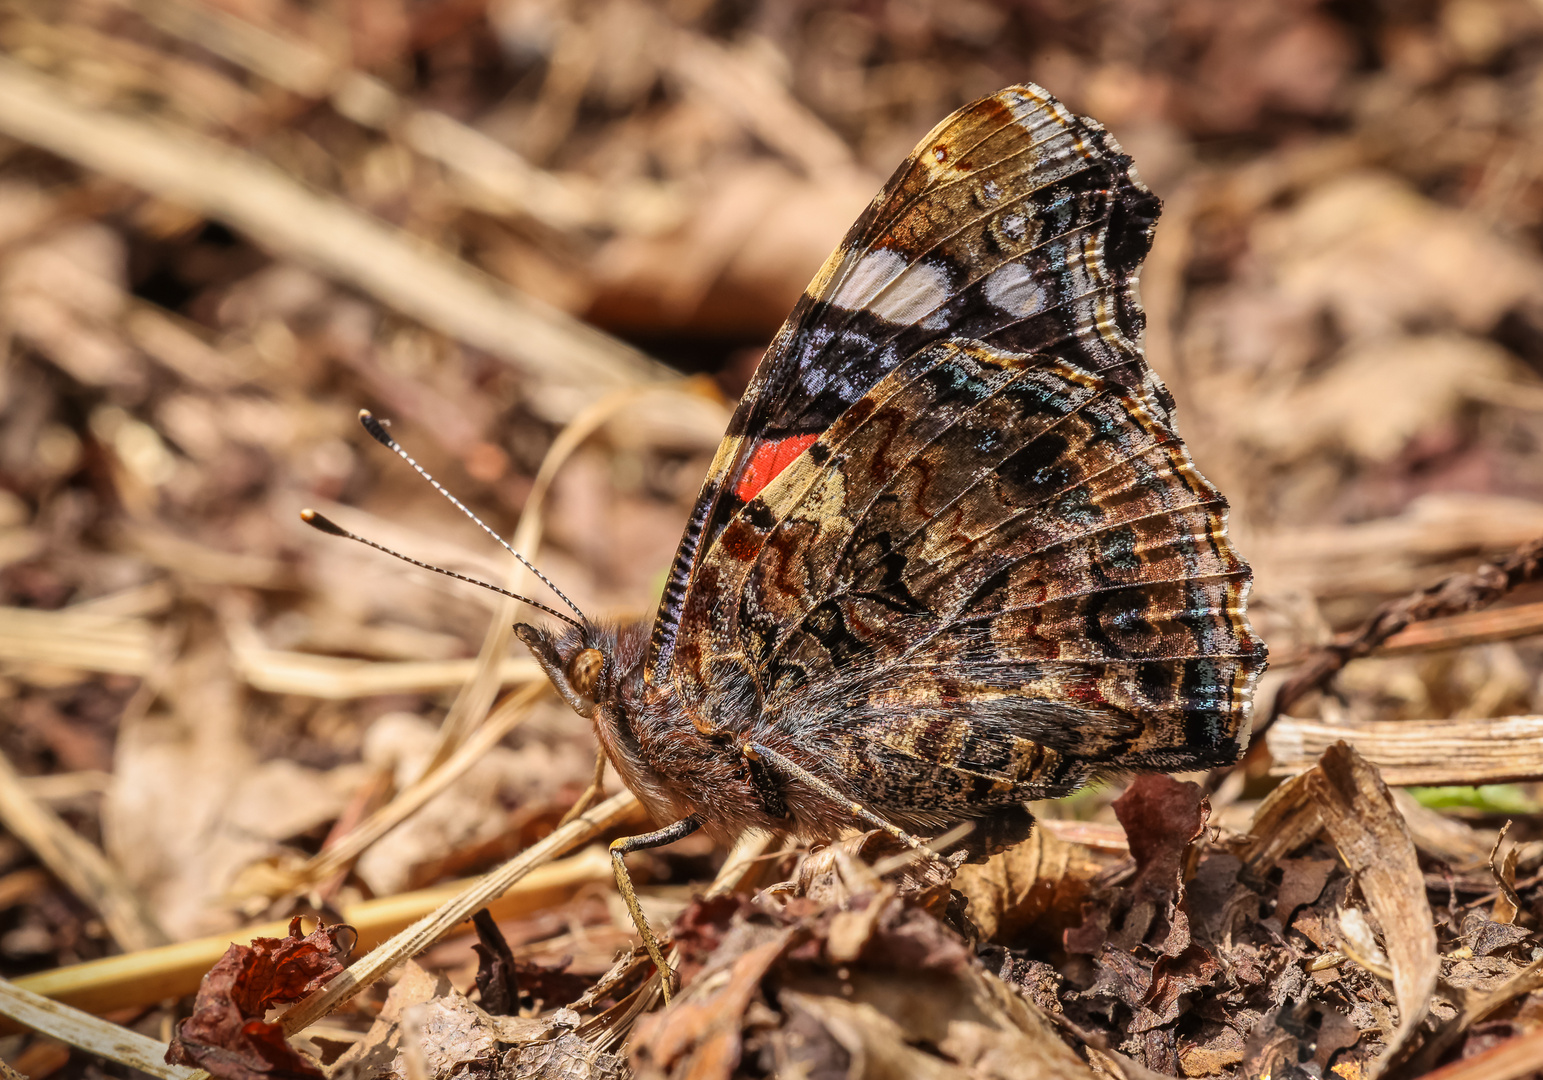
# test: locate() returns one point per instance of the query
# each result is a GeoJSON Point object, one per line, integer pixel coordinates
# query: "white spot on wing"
{"type": "Point", "coordinates": [917, 292]}
{"type": "Point", "coordinates": [883, 284]}
{"type": "Point", "coordinates": [1013, 289]}
{"type": "Point", "coordinates": [871, 273]}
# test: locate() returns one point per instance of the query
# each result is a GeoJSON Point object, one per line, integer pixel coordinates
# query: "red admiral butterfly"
{"type": "Point", "coordinates": [952, 554]}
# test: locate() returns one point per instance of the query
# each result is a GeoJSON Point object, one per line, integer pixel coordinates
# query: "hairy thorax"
{"type": "Point", "coordinates": [676, 769]}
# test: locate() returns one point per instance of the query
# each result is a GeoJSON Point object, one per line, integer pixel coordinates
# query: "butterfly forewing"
{"type": "Point", "coordinates": [1013, 222]}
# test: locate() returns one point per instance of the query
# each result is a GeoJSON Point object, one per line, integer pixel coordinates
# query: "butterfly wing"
{"type": "Point", "coordinates": [953, 543]}
{"type": "Point", "coordinates": [1007, 576]}
{"type": "Point", "coordinates": [1013, 223]}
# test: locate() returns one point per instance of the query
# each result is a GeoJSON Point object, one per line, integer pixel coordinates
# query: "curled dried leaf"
{"type": "Point", "coordinates": [227, 1033]}
{"type": "Point", "coordinates": [1360, 817]}
{"type": "Point", "coordinates": [1035, 887]}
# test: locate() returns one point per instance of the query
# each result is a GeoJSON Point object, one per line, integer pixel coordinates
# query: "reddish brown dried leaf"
{"type": "Point", "coordinates": [701, 929]}
{"type": "Point", "coordinates": [227, 1034]}
{"type": "Point", "coordinates": [1302, 884]}
{"type": "Point", "coordinates": [497, 982]}
{"type": "Point", "coordinates": [1161, 817]}
{"type": "Point", "coordinates": [703, 1032]}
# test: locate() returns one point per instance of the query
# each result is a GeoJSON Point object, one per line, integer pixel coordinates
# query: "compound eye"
{"type": "Point", "coordinates": [584, 672]}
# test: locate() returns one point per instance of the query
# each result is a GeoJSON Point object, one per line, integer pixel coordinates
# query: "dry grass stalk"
{"type": "Point", "coordinates": [85, 1031]}
{"type": "Point", "coordinates": [336, 678]}
{"type": "Point", "coordinates": [476, 695]}
{"type": "Point", "coordinates": [497, 180]}
{"type": "Point", "coordinates": [1488, 751]}
{"type": "Point", "coordinates": [76, 862]}
{"type": "Point", "coordinates": [298, 68]}
{"type": "Point", "coordinates": [1471, 628]}
{"type": "Point", "coordinates": [423, 933]}
{"type": "Point", "coordinates": [323, 233]}
{"type": "Point", "coordinates": [67, 786]}
{"type": "Point", "coordinates": [455, 752]}
{"type": "Point", "coordinates": [141, 978]}
{"type": "Point", "coordinates": [80, 641]}
{"type": "Point", "coordinates": [192, 561]}
{"type": "Point", "coordinates": [759, 101]}
{"type": "Point", "coordinates": [342, 854]}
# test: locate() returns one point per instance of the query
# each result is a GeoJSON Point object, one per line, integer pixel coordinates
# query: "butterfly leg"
{"type": "Point", "coordinates": [623, 846]}
{"type": "Point", "coordinates": [756, 752]}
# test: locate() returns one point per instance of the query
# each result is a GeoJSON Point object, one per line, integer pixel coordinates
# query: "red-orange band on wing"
{"type": "Point", "coordinates": [769, 459]}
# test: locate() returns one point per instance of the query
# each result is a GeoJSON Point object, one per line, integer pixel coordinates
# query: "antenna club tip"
{"type": "Point", "coordinates": [320, 523]}
{"type": "Point", "coordinates": [376, 429]}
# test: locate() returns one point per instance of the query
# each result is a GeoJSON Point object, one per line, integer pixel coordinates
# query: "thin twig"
{"type": "Point", "coordinates": [1457, 594]}
{"type": "Point", "coordinates": [591, 794]}
{"type": "Point", "coordinates": [84, 641]}
{"type": "Point", "coordinates": [1470, 628]}
{"type": "Point", "coordinates": [349, 847]}
{"type": "Point", "coordinates": [88, 1033]}
{"type": "Point", "coordinates": [476, 695]}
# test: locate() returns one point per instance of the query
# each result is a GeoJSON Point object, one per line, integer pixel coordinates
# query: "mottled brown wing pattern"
{"type": "Point", "coordinates": [994, 577]}
{"type": "Point", "coordinates": [952, 553]}
{"type": "Point", "coordinates": [1013, 223]}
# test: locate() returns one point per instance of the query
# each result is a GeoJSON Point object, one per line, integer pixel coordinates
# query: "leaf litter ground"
{"type": "Point", "coordinates": [214, 719]}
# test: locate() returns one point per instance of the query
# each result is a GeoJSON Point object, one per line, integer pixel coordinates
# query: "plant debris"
{"type": "Point", "coordinates": [510, 226]}
{"type": "Point", "coordinates": [227, 1034]}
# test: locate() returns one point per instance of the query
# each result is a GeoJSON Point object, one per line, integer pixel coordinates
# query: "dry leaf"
{"type": "Point", "coordinates": [1360, 817]}
{"type": "Point", "coordinates": [1036, 886]}
{"type": "Point", "coordinates": [227, 1033]}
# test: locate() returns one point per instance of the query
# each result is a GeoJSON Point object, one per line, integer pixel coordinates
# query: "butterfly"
{"type": "Point", "coordinates": [952, 554]}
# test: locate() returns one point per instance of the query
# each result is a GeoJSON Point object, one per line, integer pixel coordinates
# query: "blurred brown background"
{"type": "Point", "coordinates": [226, 225]}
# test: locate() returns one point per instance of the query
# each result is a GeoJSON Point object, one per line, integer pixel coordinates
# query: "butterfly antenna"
{"type": "Point", "coordinates": [378, 432]}
{"type": "Point", "coordinates": [332, 528]}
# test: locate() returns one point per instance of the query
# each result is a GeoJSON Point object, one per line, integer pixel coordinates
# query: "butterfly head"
{"type": "Point", "coordinates": [598, 670]}
{"type": "Point", "coordinates": [580, 662]}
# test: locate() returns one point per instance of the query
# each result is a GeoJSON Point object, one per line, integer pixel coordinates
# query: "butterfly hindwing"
{"type": "Point", "coordinates": [989, 580]}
